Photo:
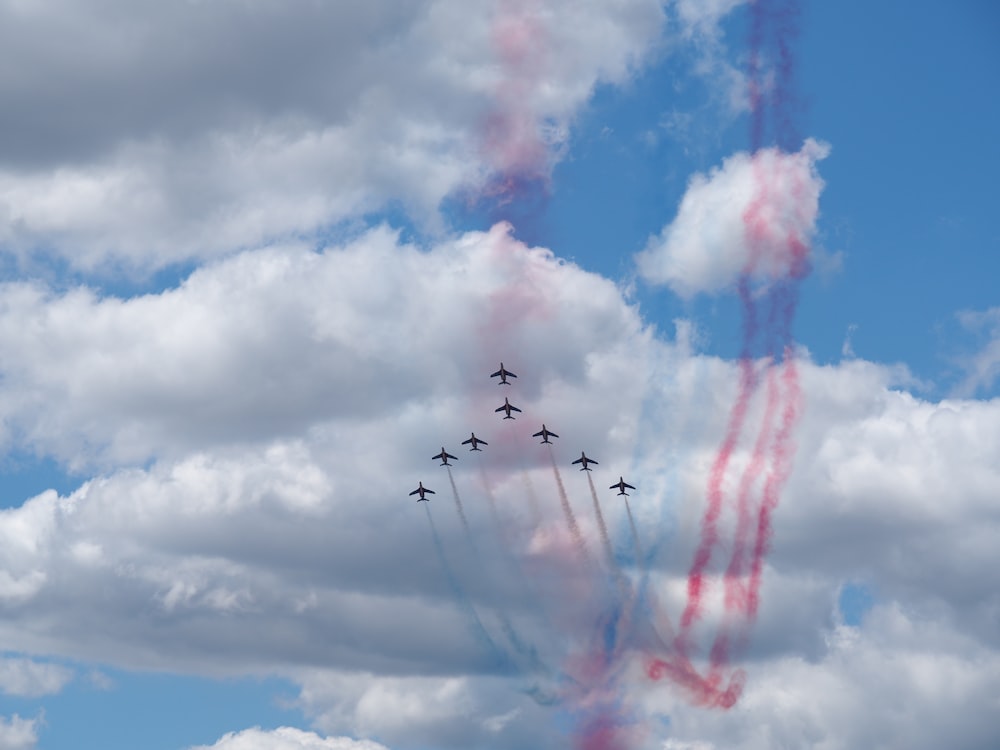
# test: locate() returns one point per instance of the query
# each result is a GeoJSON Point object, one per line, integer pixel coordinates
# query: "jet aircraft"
{"type": "Point", "coordinates": [507, 407]}
{"type": "Point", "coordinates": [621, 484]}
{"type": "Point", "coordinates": [421, 490]}
{"type": "Point", "coordinates": [545, 433]}
{"type": "Point", "coordinates": [475, 443]}
{"type": "Point", "coordinates": [584, 460]}
{"type": "Point", "coordinates": [503, 373]}
{"type": "Point", "coordinates": [444, 456]}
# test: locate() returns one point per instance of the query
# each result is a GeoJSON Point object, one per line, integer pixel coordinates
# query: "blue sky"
{"type": "Point", "coordinates": [226, 371]}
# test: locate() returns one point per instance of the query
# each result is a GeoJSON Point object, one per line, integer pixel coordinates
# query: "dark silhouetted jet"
{"type": "Point", "coordinates": [475, 442]}
{"type": "Point", "coordinates": [444, 456]}
{"type": "Point", "coordinates": [584, 460]}
{"type": "Point", "coordinates": [507, 407]}
{"type": "Point", "coordinates": [503, 373]}
{"type": "Point", "coordinates": [421, 490]}
{"type": "Point", "coordinates": [621, 484]}
{"type": "Point", "coordinates": [545, 433]}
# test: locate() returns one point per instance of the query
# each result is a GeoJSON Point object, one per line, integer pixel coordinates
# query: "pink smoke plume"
{"type": "Point", "coordinates": [776, 226]}
{"type": "Point", "coordinates": [512, 138]}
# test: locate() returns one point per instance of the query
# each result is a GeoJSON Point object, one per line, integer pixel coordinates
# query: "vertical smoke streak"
{"type": "Point", "coordinates": [777, 261]}
{"type": "Point", "coordinates": [478, 629]}
{"type": "Point", "coordinates": [458, 506]}
{"type": "Point", "coordinates": [609, 551]}
{"type": "Point", "coordinates": [574, 527]}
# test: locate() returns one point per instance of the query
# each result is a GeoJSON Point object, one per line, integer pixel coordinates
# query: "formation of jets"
{"type": "Point", "coordinates": [545, 433]}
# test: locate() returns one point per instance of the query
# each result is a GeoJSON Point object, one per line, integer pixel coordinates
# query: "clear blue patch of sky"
{"type": "Point", "coordinates": [855, 600]}
{"type": "Point", "coordinates": [155, 711]}
{"type": "Point", "coordinates": [24, 475]}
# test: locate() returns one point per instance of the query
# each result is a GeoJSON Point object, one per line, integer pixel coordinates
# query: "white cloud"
{"type": "Point", "coordinates": [286, 738]}
{"type": "Point", "coordinates": [252, 519]}
{"type": "Point", "coordinates": [25, 677]}
{"type": "Point", "coordinates": [17, 733]}
{"type": "Point", "coordinates": [742, 217]}
{"type": "Point", "coordinates": [983, 368]}
{"type": "Point", "coordinates": [184, 131]}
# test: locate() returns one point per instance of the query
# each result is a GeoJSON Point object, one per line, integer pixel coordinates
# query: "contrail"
{"type": "Point", "coordinates": [623, 585]}
{"type": "Point", "coordinates": [477, 624]}
{"type": "Point", "coordinates": [574, 527]}
{"type": "Point", "coordinates": [525, 650]}
{"type": "Point", "coordinates": [458, 506]}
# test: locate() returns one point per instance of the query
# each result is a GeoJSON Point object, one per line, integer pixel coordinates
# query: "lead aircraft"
{"type": "Point", "coordinates": [584, 460]}
{"type": "Point", "coordinates": [503, 374]}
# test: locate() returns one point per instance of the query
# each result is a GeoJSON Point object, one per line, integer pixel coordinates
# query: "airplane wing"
{"type": "Point", "coordinates": [432, 492]}
{"type": "Point", "coordinates": [481, 441]}
{"type": "Point", "coordinates": [537, 434]}
{"type": "Point", "coordinates": [510, 374]}
{"type": "Point", "coordinates": [514, 408]}
{"type": "Point", "coordinates": [496, 374]}
{"type": "Point", "coordinates": [448, 455]}
{"type": "Point", "coordinates": [629, 486]}
{"type": "Point", "coordinates": [552, 434]}
{"type": "Point", "coordinates": [501, 408]}
{"type": "Point", "coordinates": [578, 461]}
{"type": "Point", "coordinates": [464, 442]}
{"type": "Point", "coordinates": [415, 491]}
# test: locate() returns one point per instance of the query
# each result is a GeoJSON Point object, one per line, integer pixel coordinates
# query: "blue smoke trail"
{"type": "Point", "coordinates": [477, 627]}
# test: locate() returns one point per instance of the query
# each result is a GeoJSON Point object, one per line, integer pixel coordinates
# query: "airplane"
{"type": "Point", "coordinates": [444, 456]}
{"type": "Point", "coordinates": [422, 491]}
{"type": "Point", "coordinates": [475, 443]}
{"type": "Point", "coordinates": [621, 484]}
{"type": "Point", "coordinates": [507, 407]}
{"type": "Point", "coordinates": [584, 460]}
{"type": "Point", "coordinates": [502, 373]}
{"type": "Point", "coordinates": [545, 432]}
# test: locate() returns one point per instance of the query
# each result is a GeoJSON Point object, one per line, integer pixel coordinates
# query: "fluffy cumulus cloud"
{"type": "Point", "coordinates": [141, 134]}
{"type": "Point", "coordinates": [243, 442]}
{"type": "Point", "coordinates": [30, 678]}
{"type": "Point", "coordinates": [17, 733]}
{"type": "Point", "coordinates": [250, 517]}
{"type": "Point", "coordinates": [286, 738]}
{"type": "Point", "coordinates": [741, 218]}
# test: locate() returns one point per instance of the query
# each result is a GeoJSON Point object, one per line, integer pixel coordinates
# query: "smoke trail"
{"type": "Point", "coordinates": [574, 527]}
{"type": "Point", "coordinates": [492, 501]}
{"type": "Point", "coordinates": [635, 534]}
{"type": "Point", "coordinates": [784, 450]}
{"type": "Point", "coordinates": [605, 540]}
{"type": "Point", "coordinates": [709, 531]}
{"type": "Point", "coordinates": [478, 630]}
{"type": "Point", "coordinates": [458, 506]}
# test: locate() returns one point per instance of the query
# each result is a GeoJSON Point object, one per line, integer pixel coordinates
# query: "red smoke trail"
{"type": "Point", "coordinates": [768, 312]}
{"type": "Point", "coordinates": [513, 143]}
